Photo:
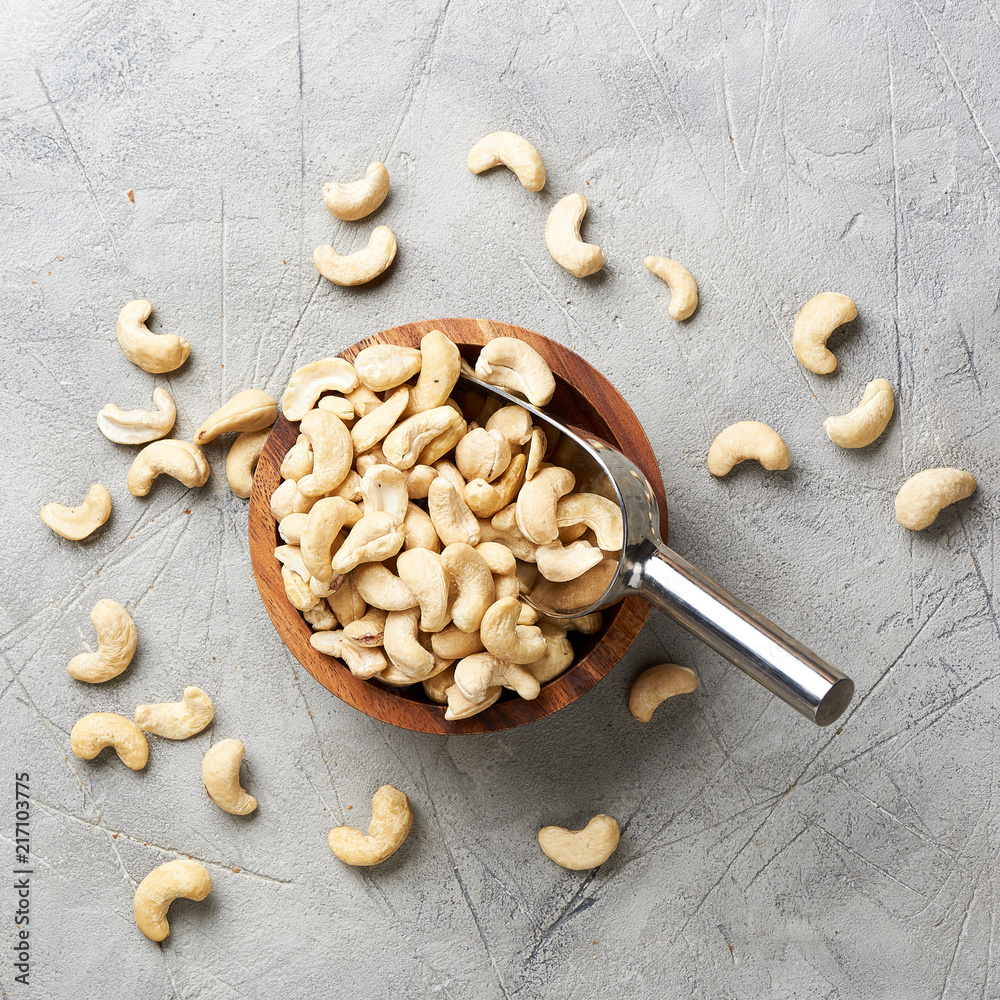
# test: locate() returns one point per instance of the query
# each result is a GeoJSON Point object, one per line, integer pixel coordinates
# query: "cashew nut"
{"type": "Point", "coordinates": [503, 529]}
{"type": "Point", "coordinates": [923, 496]}
{"type": "Point", "coordinates": [392, 818]}
{"type": "Point", "coordinates": [291, 526]}
{"type": "Point", "coordinates": [536, 452]}
{"type": "Point", "coordinates": [346, 602]}
{"type": "Point", "coordinates": [174, 880]}
{"type": "Point", "coordinates": [402, 644]}
{"type": "Point", "coordinates": [375, 537]}
{"type": "Point", "coordinates": [683, 287]}
{"type": "Point", "coordinates": [580, 850]}
{"type": "Point", "coordinates": [362, 265]}
{"type": "Point", "coordinates": [459, 707]}
{"type": "Point", "coordinates": [487, 499]}
{"type": "Point", "coordinates": [473, 582]}
{"type": "Point", "coordinates": [503, 566]}
{"type": "Point", "coordinates": [504, 638]}
{"type": "Point", "coordinates": [340, 405]}
{"type": "Point", "coordinates": [116, 641]}
{"type": "Point", "coordinates": [241, 462]}
{"type": "Point", "coordinates": [654, 686]}
{"type": "Point", "coordinates": [369, 629]}
{"type": "Point", "coordinates": [418, 480]}
{"type": "Point", "coordinates": [419, 528]}
{"type": "Point", "coordinates": [154, 353]}
{"type": "Point", "coordinates": [448, 470]}
{"type": "Point", "coordinates": [75, 523]}
{"type": "Point", "coordinates": [320, 618]}
{"type": "Point", "coordinates": [537, 503]}
{"type": "Point", "coordinates": [445, 441]}
{"type": "Point", "coordinates": [512, 150]}
{"type": "Point", "coordinates": [560, 563]}
{"type": "Point", "coordinates": [354, 200]}
{"type": "Point", "coordinates": [310, 381]}
{"type": "Point", "coordinates": [179, 459]}
{"type": "Point", "coordinates": [249, 410]}
{"type": "Point", "coordinates": [384, 366]}
{"type": "Point", "coordinates": [866, 421]}
{"type": "Point", "coordinates": [94, 732]}
{"type": "Point", "coordinates": [476, 675]}
{"type": "Point", "coordinates": [482, 454]}
{"type": "Point", "coordinates": [450, 514]}
{"type": "Point", "coordinates": [557, 657]}
{"type": "Point", "coordinates": [405, 442]}
{"type": "Point", "coordinates": [138, 426]}
{"type": "Point", "coordinates": [452, 643]}
{"type": "Point", "coordinates": [363, 400]}
{"type": "Point", "coordinates": [381, 588]}
{"type": "Point", "coordinates": [298, 460]}
{"type": "Point", "coordinates": [350, 488]}
{"type": "Point", "coordinates": [332, 452]}
{"type": "Point", "coordinates": [384, 488]}
{"type": "Point", "coordinates": [297, 590]}
{"type": "Point", "coordinates": [514, 422]}
{"type": "Point", "coordinates": [362, 661]}
{"type": "Point", "coordinates": [374, 426]}
{"type": "Point", "coordinates": [562, 237]}
{"type": "Point", "coordinates": [283, 500]}
{"type": "Point", "coordinates": [816, 320]}
{"type": "Point", "coordinates": [424, 574]}
{"type": "Point", "coordinates": [177, 720]}
{"type": "Point", "coordinates": [436, 687]}
{"type": "Point", "coordinates": [602, 516]}
{"type": "Point", "coordinates": [514, 365]}
{"type": "Point", "coordinates": [374, 456]}
{"type": "Point", "coordinates": [325, 521]}
{"type": "Point", "coordinates": [747, 439]}
{"type": "Point", "coordinates": [220, 774]}
{"type": "Point", "coordinates": [439, 370]}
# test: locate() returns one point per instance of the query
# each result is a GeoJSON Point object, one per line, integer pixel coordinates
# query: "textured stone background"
{"type": "Point", "coordinates": [776, 149]}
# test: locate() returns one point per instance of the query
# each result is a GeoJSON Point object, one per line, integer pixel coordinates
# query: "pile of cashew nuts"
{"type": "Point", "coordinates": [409, 531]}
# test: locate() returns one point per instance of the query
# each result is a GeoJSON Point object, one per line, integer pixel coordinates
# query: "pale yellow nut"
{"type": "Point", "coordinates": [310, 381]}
{"type": "Point", "coordinates": [561, 563]}
{"type": "Point", "coordinates": [325, 521]}
{"type": "Point", "coordinates": [283, 500]}
{"type": "Point", "coordinates": [419, 529]}
{"type": "Point", "coordinates": [354, 200]}
{"type": "Point", "coordinates": [440, 366]}
{"type": "Point", "coordinates": [177, 720]}
{"type": "Point", "coordinates": [401, 641]}
{"type": "Point", "coordinates": [816, 320]}
{"type": "Point", "coordinates": [418, 480]}
{"type": "Point", "coordinates": [581, 850]}
{"type": "Point", "coordinates": [451, 643]}
{"type": "Point", "coordinates": [514, 422]}
{"type": "Point", "coordinates": [514, 365]}
{"type": "Point", "coordinates": [482, 454]}
{"type": "Point", "coordinates": [487, 499]}
{"type": "Point", "coordinates": [381, 588]}
{"type": "Point", "coordinates": [424, 574]}
{"type": "Point", "coordinates": [865, 423]}
{"type": "Point", "coordinates": [392, 818]}
{"type": "Point", "coordinates": [297, 590]}
{"type": "Point", "coordinates": [298, 460]}
{"type": "Point", "coordinates": [513, 151]}
{"type": "Point", "coordinates": [456, 429]}
{"type": "Point", "coordinates": [747, 439]}
{"type": "Point", "coordinates": [332, 452]}
{"type": "Point", "coordinates": [505, 638]}
{"type": "Point", "coordinates": [506, 533]}
{"type": "Point", "coordinates": [654, 686]}
{"type": "Point", "coordinates": [403, 445]}
{"type": "Point", "coordinates": [363, 661]}
{"type": "Point", "coordinates": [321, 618]}
{"type": "Point", "coordinates": [478, 674]}
{"type": "Point", "coordinates": [369, 629]}
{"type": "Point", "coordinates": [385, 366]}
{"type": "Point", "coordinates": [459, 707]}
{"type": "Point", "coordinates": [601, 515]}
{"type": "Point", "coordinates": [473, 584]}
{"type": "Point", "coordinates": [538, 501]}
{"type": "Point", "coordinates": [558, 656]}
{"type": "Point", "coordinates": [562, 237]}
{"type": "Point", "coordinates": [249, 410]}
{"type": "Point", "coordinates": [94, 732]}
{"type": "Point", "coordinates": [152, 352]}
{"type": "Point", "coordinates": [116, 642]}
{"type": "Point", "coordinates": [347, 602]}
{"type": "Point", "coordinates": [923, 496]}
{"type": "Point", "coordinates": [450, 514]}
{"type": "Point", "coordinates": [363, 400]}
{"type": "Point", "coordinates": [340, 405]}
{"type": "Point", "coordinates": [362, 265]}
{"type": "Point", "coordinates": [373, 427]}
{"type": "Point", "coordinates": [536, 452]}
{"type": "Point", "coordinates": [138, 426]}
{"type": "Point", "coordinates": [683, 287]}
{"type": "Point", "coordinates": [220, 774]}
{"type": "Point", "coordinates": [436, 687]}
{"type": "Point", "coordinates": [178, 459]}
{"type": "Point", "coordinates": [241, 462]}
{"type": "Point", "coordinates": [174, 880]}
{"type": "Point", "coordinates": [75, 523]}
{"type": "Point", "coordinates": [375, 538]}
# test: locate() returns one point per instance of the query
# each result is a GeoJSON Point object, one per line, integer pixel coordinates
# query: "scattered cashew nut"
{"type": "Point", "coordinates": [865, 423]}
{"type": "Point", "coordinates": [94, 732]}
{"type": "Point", "coordinates": [116, 642]}
{"type": "Point", "coordinates": [177, 720]}
{"type": "Point", "coordinates": [747, 439]}
{"type": "Point", "coordinates": [392, 818]}
{"type": "Point", "coordinates": [174, 880]}
{"type": "Point", "coordinates": [683, 287]}
{"type": "Point", "coordinates": [581, 850]}
{"type": "Point", "coordinates": [654, 686]}
{"type": "Point", "coordinates": [923, 496]}
{"type": "Point", "coordinates": [138, 426]}
{"type": "Point", "coordinates": [75, 523]}
{"type": "Point", "coordinates": [310, 381]}
{"type": "Point", "coordinates": [562, 237]}
{"type": "Point", "coordinates": [179, 459]}
{"type": "Point", "coordinates": [362, 265]}
{"type": "Point", "coordinates": [816, 320]}
{"type": "Point", "coordinates": [354, 200]}
{"type": "Point", "coordinates": [513, 151]}
{"type": "Point", "coordinates": [154, 353]}
{"type": "Point", "coordinates": [220, 774]}
{"type": "Point", "coordinates": [241, 462]}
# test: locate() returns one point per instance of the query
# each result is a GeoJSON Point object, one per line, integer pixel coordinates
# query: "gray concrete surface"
{"type": "Point", "coordinates": [776, 149]}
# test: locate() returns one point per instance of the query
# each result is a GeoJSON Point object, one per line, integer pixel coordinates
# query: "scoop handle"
{"type": "Point", "coordinates": [743, 636]}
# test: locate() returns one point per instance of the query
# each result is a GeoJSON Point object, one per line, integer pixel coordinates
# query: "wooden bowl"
{"type": "Point", "coordinates": [583, 397]}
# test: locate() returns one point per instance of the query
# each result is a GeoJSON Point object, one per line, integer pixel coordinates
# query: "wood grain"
{"type": "Point", "coordinates": [583, 397]}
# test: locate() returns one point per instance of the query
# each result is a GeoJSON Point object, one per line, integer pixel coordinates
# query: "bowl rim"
{"type": "Point", "coordinates": [623, 621]}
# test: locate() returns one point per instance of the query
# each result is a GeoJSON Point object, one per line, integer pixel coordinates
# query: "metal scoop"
{"type": "Point", "coordinates": [648, 568]}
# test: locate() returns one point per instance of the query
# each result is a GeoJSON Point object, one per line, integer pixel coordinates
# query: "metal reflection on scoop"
{"type": "Point", "coordinates": [648, 568]}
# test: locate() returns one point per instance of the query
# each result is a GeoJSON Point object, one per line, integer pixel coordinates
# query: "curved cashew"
{"type": "Point", "coordinates": [536, 452]}
{"type": "Point", "coordinates": [179, 459]}
{"type": "Point", "coordinates": [504, 638]}
{"type": "Point", "coordinates": [816, 320]}
{"type": "Point", "coordinates": [418, 480]}
{"type": "Point", "coordinates": [473, 582]}
{"type": "Point", "coordinates": [297, 590]}
{"type": "Point", "coordinates": [291, 526]}
{"type": "Point", "coordinates": [747, 439]}
{"type": "Point", "coordinates": [513, 151]}
{"type": "Point", "coordinates": [923, 496]}
{"type": "Point", "coordinates": [381, 588]}
{"type": "Point", "coordinates": [440, 364]}
{"type": "Point", "coordinates": [249, 410]}
{"type": "Point", "coordinates": [363, 400]}
{"type": "Point", "coordinates": [514, 422]}
{"type": "Point", "coordinates": [448, 470]}
{"type": "Point", "coordinates": [138, 426]}
{"type": "Point", "coordinates": [476, 675]}
{"type": "Point", "coordinates": [482, 454]}
{"type": "Point", "coordinates": [419, 528]}
{"type": "Point", "coordinates": [562, 237]}
{"type": "Point", "coordinates": [384, 488]}
{"type": "Point", "coordinates": [487, 499]}
{"type": "Point", "coordinates": [220, 774]}
{"type": "Point", "coordinates": [362, 265]}
{"type": "Point", "coordinates": [362, 661]}
{"type": "Point", "coordinates": [392, 818]}
{"type": "Point", "coordinates": [340, 405]}
{"type": "Point", "coordinates": [402, 644]}
{"type": "Point", "coordinates": [332, 452]}
{"type": "Point", "coordinates": [374, 426]}
{"type": "Point", "coordinates": [503, 566]}
{"type": "Point", "coordinates": [602, 516]}
{"type": "Point", "coordinates": [321, 618]}
{"type": "Point", "coordinates": [384, 366]}
{"type": "Point", "coordinates": [173, 880]}
{"type": "Point", "coordinates": [283, 500]}
{"type": "Point", "coordinates": [310, 381]}
{"type": "Point", "coordinates": [445, 441]}
{"type": "Point", "coordinates": [866, 421]}
{"type": "Point", "coordinates": [537, 503]}
{"type": "Point", "coordinates": [404, 443]}
{"type": "Point", "coordinates": [424, 574]}
{"type": "Point", "coordinates": [154, 353]}
{"type": "Point", "coordinates": [580, 850]}
{"type": "Point", "coordinates": [452, 643]}
{"type": "Point", "coordinates": [354, 200]}
{"type": "Point", "coordinates": [241, 462]}
{"type": "Point", "coordinates": [324, 523]}
{"type": "Point", "coordinates": [450, 514]}
{"type": "Point", "coordinates": [654, 686]}
{"type": "Point", "coordinates": [514, 365]}
{"type": "Point", "coordinates": [177, 720]}
{"type": "Point", "coordinates": [116, 641]}
{"type": "Point", "coordinates": [683, 287]}
{"type": "Point", "coordinates": [374, 538]}
{"type": "Point", "coordinates": [369, 629]}
{"type": "Point", "coordinates": [459, 707]}
{"type": "Point", "coordinates": [436, 687]}
{"type": "Point", "coordinates": [298, 460]}
{"type": "Point", "coordinates": [347, 603]}
{"type": "Point", "coordinates": [560, 563]}
{"type": "Point", "coordinates": [558, 655]}
{"type": "Point", "coordinates": [75, 523]}
{"type": "Point", "coordinates": [94, 732]}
